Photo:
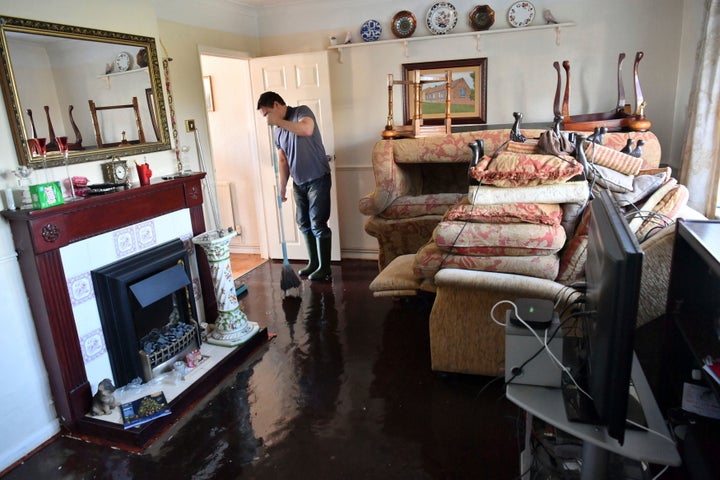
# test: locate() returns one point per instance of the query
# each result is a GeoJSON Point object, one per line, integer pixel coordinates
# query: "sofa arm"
{"type": "Point", "coordinates": [389, 180]}
{"type": "Point", "coordinates": [463, 336]}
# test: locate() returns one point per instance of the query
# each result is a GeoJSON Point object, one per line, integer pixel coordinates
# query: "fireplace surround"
{"type": "Point", "coordinates": [50, 244]}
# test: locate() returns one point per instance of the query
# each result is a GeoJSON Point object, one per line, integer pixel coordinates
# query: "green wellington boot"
{"type": "Point", "coordinates": [323, 272]}
{"type": "Point", "coordinates": [313, 264]}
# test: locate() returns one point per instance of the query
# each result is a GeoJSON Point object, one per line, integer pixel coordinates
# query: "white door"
{"type": "Point", "coordinates": [301, 79]}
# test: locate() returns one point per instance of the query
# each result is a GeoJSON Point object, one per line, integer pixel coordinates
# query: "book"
{"type": "Point", "coordinates": [144, 409]}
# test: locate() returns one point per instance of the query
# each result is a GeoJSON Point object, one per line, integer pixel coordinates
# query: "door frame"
{"type": "Point", "coordinates": [249, 120]}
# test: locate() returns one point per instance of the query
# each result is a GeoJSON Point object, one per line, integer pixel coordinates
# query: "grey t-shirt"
{"type": "Point", "coordinates": [305, 155]}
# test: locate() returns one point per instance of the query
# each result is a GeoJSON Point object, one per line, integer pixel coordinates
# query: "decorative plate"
{"type": "Point", "coordinates": [441, 18]}
{"type": "Point", "coordinates": [482, 17]}
{"type": "Point", "coordinates": [403, 24]}
{"type": "Point", "coordinates": [521, 14]}
{"type": "Point", "coordinates": [371, 30]}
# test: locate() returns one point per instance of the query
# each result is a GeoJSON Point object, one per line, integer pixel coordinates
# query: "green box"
{"type": "Point", "coordinates": [46, 195]}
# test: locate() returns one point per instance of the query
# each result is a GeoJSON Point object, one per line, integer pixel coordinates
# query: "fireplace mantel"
{"type": "Point", "coordinates": [40, 234]}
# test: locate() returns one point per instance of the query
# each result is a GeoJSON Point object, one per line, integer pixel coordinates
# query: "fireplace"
{"type": "Point", "coordinates": [147, 311]}
{"type": "Point", "coordinates": [59, 248]}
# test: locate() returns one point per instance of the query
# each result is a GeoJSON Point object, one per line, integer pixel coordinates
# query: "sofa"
{"type": "Point", "coordinates": [411, 200]}
{"type": "Point", "coordinates": [418, 179]}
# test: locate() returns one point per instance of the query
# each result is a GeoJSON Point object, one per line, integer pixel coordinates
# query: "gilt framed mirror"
{"type": "Point", "coordinates": [100, 89]}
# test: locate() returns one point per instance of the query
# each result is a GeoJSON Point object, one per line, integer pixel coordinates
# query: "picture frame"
{"type": "Point", "coordinates": [207, 89]}
{"type": "Point", "coordinates": [468, 97]}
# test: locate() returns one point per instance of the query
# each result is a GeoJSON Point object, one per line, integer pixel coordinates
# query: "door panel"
{"type": "Point", "coordinates": [301, 79]}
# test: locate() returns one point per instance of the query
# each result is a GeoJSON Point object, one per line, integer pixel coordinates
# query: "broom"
{"type": "Point", "coordinates": [288, 278]}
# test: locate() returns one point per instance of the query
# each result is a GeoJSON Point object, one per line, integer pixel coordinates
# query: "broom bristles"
{"type": "Point", "coordinates": [289, 278]}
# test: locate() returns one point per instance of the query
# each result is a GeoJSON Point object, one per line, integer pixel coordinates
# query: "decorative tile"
{"type": "Point", "coordinates": [124, 241]}
{"type": "Point", "coordinates": [145, 234]}
{"type": "Point", "coordinates": [92, 345]}
{"type": "Point", "coordinates": [80, 288]}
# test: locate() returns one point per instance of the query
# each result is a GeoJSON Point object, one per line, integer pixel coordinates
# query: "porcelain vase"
{"type": "Point", "coordinates": [231, 326]}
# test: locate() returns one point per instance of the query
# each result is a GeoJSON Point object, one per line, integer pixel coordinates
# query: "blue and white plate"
{"type": "Point", "coordinates": [371, 30]}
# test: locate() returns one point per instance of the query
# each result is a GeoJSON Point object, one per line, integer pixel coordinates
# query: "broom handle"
{"type": "Point", "coordinates": [279, 197]}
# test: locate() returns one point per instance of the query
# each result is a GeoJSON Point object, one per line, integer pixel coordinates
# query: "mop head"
{"type": "Point", "coordinates": [289, 278]}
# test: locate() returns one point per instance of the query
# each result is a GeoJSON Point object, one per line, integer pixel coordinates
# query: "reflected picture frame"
{"type": "Point", "coordinates": [469, 91]}
{"type": "Point", "coordinates": [207, 89]}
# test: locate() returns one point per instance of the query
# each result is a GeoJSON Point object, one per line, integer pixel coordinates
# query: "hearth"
{"type": "Point", "coordinates": [147, 310]}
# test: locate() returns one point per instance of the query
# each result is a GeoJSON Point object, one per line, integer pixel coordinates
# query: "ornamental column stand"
{"type": "Point", "coordinates": [232, 327]}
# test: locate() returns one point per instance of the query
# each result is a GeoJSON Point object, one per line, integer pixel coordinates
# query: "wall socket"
{"type": "Point", "coordinates": [189, 125]}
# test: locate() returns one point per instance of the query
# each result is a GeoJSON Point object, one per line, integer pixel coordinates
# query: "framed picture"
{"type": "Point", "coordinates": [468, 92]}
{"type": "Point", "coordinates": [207, 88]}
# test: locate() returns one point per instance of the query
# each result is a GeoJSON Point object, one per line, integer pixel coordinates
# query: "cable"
{"type": "Point", "coordinates": [544, 346]}
{"type": "Point", "coordinates": [643, 427]}
{"type": "Point", "coordinates": [661, 472]}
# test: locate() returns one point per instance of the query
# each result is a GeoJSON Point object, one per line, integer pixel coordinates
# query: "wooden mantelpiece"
{"type": "Point", "coordinates": [39, 235]}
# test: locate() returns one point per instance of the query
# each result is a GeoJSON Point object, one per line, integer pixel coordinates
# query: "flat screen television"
{"type": "Point", "coordinates": [602, 360]}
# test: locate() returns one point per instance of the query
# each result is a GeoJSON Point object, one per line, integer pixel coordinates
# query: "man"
{"type": "Point", "coordinates": [301, 155]}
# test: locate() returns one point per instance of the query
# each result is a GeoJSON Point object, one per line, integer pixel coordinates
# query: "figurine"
{"type": "Point", "coordinates": [549, 17]}
{"type": "Point", "coordinates": [103, 401]}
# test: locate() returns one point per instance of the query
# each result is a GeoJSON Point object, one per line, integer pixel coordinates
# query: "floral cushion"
{"type": "Point", "coordinates": [430, 259]}
{"type": "Point", "coordinates": [419, 205]}
{"type": "Point", "coordinates": [666, 211]}
{"type": "Point", "coordinates": [510, 169]}
{"type": "Point", "coordinates": [508, 239]}
{"type": "Point", "coordinates": [545, 213]}
{"type": "Point", "coordinates": [574, 255]}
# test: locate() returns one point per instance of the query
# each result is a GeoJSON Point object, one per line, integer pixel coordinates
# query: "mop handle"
{"type": "Point", "coordinates": [277, 186]}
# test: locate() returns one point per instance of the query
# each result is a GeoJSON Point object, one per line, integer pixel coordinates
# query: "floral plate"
{"type": "Point", "coordinates": [441, 18]}
{"type": "Point", "coordinates": [520, 14]}
{"type": "Point", "coordinates": [371, 30]}
{"type": "Point", "coordinates": [403, 24]}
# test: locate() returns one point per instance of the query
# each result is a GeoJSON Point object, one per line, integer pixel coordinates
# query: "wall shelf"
{"type": "Point", "coordinates": [108, 76]}
{"type": "Point", "coordinates": [476, 35]}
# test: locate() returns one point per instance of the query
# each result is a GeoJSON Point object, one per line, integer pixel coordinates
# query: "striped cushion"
{"type": "Point", "coordinates": [607, 157]}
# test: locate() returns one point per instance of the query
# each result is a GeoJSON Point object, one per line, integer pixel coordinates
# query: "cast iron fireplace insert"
{"type": "Point", "coordinates": [147, 311]}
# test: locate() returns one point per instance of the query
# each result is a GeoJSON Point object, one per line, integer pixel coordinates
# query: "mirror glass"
{"type": "Point", "coordinates": [102, 90]}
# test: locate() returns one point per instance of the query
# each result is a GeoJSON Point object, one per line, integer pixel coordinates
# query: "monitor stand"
{"type": "Point", "coordinates": [578, 406]}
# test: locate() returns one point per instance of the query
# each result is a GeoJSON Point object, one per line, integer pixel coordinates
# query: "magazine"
{"type": "Point", "coordinates": [144, 409]}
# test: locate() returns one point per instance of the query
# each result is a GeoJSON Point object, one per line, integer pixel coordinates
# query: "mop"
{"type": "Point", "coordinates": [289, 278]}
{"type": "Point", "coordinates": [211, 195]}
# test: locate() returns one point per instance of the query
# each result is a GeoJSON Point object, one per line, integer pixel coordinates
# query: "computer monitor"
{"type": "Point", "coordinates": [603, 363]}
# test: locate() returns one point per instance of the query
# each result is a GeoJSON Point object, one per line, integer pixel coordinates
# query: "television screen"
{"type": "Point", "coordinates": [604, 358]}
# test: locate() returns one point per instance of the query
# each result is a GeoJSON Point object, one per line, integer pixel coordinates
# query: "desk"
{"type": "Point", "coordinates": [547, 404]}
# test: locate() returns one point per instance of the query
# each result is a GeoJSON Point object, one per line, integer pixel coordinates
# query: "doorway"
{"type": "Point", "coordinates": [231, 131]}
{"type": "Point", "coordinates": [241, 147]}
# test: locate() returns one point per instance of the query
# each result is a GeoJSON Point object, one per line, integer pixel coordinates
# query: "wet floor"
{"type": "Point", "coordinates": [344, 390]}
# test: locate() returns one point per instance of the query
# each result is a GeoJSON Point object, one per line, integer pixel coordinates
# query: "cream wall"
{"type": "Point", "coordinates": [521, 78]}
